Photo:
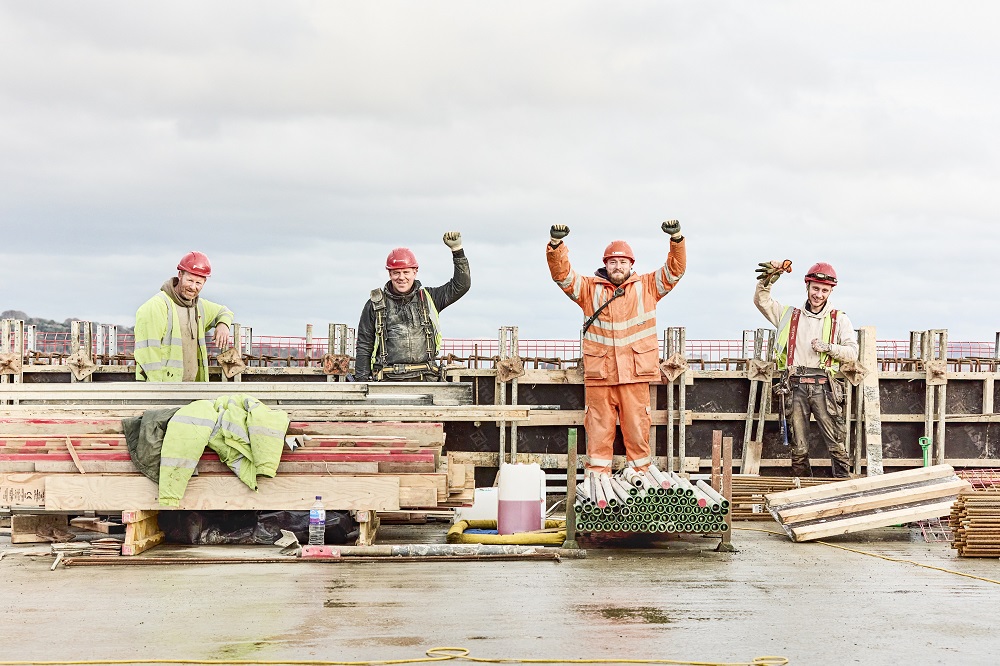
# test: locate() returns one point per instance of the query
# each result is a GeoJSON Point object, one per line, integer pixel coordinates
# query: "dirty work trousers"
{"type": "Point", "coordinates": [624, 403]}
{"type": "Point", "coordinates": [817, 400]}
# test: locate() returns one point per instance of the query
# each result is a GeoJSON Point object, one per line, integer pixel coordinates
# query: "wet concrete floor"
{"type": "Point", "coordinates": [811, 603]}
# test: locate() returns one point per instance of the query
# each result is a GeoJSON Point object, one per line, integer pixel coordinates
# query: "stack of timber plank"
{"type": "Point", "coordinates": [749, 491]}
{"type": "Point", "coordinates": [83, 464]}
{"type": "Point", "coordinates": [855, 505]}
{"type": "Point", "coordinates": [975, 524]}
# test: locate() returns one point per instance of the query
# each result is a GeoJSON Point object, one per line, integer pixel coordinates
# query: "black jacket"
{"type": "Point", "coordinates": [406, 341]}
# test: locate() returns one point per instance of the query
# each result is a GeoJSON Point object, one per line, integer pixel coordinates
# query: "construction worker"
{"type": "Point", "coordinates": [620, 347]}
{"type": "Point", "coordinates": [812, 342]}
{"type": "Point", "coordinates": [170, 327]}
{"type": "Point", "coordinates": [399, 336]}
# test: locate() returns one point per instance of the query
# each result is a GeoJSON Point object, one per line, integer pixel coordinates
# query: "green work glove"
{"type": "Point", "coordinates": [453, 239]}
{"type": "Point", "coordinates": [557, 232]}
{"type": "Point", "coordinates": [672, 227]}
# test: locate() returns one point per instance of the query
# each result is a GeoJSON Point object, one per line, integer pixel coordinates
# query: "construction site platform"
{"type": "Point", "coordinates": [812, 603]}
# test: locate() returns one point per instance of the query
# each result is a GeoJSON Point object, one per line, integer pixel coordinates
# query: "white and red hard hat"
{"type": "Point", "coordinates": [822, 273]}
{"type": "Point", "coordinates": [619, 249]}
{"type": "Point", "coordinates": [401, 257]}
{"type": "Point", "coordinates": [195, 263]}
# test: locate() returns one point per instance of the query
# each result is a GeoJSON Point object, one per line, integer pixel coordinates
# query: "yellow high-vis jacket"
{"type": "Point", "coordinates": [159, 354]}
{"type": "Point", "coordinates": [247, 435]}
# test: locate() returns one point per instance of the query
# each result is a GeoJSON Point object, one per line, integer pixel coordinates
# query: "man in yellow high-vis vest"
{"type": "Point", "coordinates": [170, 327]}
{"type": "Point", "coordinates": [812, 342]}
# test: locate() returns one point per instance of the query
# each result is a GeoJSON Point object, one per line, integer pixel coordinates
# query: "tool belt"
{"type": "Point", "coordinates": [428, 371]}
{"type": "Point", "coordinates": [810, 380]}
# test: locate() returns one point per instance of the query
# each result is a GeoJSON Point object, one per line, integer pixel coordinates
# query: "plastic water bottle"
{"type": "Point", "coordinates": [317, 523]}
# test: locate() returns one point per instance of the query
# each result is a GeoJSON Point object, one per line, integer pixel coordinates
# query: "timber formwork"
{"type": "Point", "coordinates": [949, 403]}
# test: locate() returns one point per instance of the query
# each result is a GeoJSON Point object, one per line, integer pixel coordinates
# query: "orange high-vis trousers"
{"type": "Point", "coordinates": [627, 404]}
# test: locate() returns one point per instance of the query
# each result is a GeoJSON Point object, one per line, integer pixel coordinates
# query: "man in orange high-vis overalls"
{"type": "Point", "coordinates": [620, 346]}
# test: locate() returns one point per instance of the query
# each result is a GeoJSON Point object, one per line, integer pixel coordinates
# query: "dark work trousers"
{"type": "Point", "coordinates": [817, 400]}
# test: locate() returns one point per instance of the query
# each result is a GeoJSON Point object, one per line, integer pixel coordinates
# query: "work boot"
{"type": "Point", "coordinates": [801, 467]}
{"type": "Point", "coordinates": [840, 469]}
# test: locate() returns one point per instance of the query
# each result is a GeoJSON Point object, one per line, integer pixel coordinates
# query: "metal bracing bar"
{"type": "Point", "coordinates": [679, 339]}
{"type": "Point", "coordinates": [941, 337]}
{"type": "Point", "coordinates": [500, 395]}
{"type": "Point", "coordinates": [101, 344]}
{"type": "Point", "coordinates": [507, 347]}
{"type": "Point", "coordinates": [767, 337]}
{"type": "Point", "coordinates": [665, 347]}
{"type": "Point", "coordinates": [515, 351]}
{"type": "Point", "coordinates": [112, 341]}
{"type": "Point", "coordinates": [236, 332]}
{"type": "Point", "coordinates": [82, 339]}
{"type": "Point", "coordinates": [309, 344]}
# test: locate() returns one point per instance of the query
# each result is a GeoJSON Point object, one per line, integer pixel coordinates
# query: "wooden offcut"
{"type": "Point", "coordinates": [64, 492]}
{"type": "Point", "coordinates": [854, 505]}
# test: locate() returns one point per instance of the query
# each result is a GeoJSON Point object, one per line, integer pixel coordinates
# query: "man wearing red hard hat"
{"type": "Point", "coordinates": [620, 345]}
{"type": "Point", "coordinates": [812, 343]}
{"type": "Point", "coordinates": [170, 327]}
{"type": "Point", "coordinates": [399, 336]}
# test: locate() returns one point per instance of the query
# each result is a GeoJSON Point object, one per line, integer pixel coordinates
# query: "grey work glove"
{"type": "Point", "coordinates": [557, 232]}
{"type": "Point", "coordinates": [453, 239]}
{"type": "Point", "coordinates": [822, 347]}
{"type": "Point", "coordinates": [672, 227]}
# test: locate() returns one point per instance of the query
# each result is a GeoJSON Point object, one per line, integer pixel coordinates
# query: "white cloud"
{"type": "Point", "coordinates": [296, 143]}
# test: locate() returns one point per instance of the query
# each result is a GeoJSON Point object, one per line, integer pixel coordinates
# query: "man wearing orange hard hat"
{"type": "Point", "coordinates": [813, 341]}
{"type": "Point", "coordinates": [170, 327]}
{"type": "Point", "coordinates": [399, 336]}
{"type": "Point", "coordinates": [620, 345]}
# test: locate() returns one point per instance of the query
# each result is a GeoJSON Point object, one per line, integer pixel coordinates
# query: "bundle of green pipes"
{"type": "Point", "coordinates": [653, 501]}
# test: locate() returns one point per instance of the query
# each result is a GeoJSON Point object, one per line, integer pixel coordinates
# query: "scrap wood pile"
{"type": "Point", "coordinates": [975, 524]}
{"type": "Point", "coordinates": [854, 505]}
{"type": "Point", "coordinates": [749, 491]}
{"type": "Point", "coordinates": [69, 461]}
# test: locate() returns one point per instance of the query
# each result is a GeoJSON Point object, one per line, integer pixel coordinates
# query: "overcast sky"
{"type": "Point", "coordinates": [296, 143]}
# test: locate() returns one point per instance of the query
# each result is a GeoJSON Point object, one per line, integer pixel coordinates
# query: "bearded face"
{"type": "Point", "coordinates": [618, 270]}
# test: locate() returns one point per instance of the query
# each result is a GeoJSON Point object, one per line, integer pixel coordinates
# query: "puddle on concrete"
{"type": "Point", "coordinates": [240, 650]}
{"type": "Point", "coordinates": [397, 641]}
{"type": "Point", "coordinates": [645, 614]}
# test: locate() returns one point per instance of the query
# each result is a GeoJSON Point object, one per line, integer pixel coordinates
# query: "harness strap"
{"type": "Point", "coordinates": [793, 332]}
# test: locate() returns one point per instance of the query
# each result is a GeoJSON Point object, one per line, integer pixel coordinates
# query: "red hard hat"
{"type": "Point", "coordinates": [401, 257]}
{"type": "Point", "coordinates": [195, 263]}
{"type": "Point", "coordinates": [619, 249]}
{"type": "Point", "coordinates": [822, 273]}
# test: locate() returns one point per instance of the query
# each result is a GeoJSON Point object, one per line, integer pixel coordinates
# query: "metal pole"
{"type": "Point", "coordinates": [682, 399]}
{"type": "Point", "coordinates": [514, 351]}
{"type": "Point", "coordinates": [570, 541]}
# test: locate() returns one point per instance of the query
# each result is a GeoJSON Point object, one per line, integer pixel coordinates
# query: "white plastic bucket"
{"type": "Point", "coordinates": [521, 499]}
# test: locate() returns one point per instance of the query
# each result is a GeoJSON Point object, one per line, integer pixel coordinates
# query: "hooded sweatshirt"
{"type": "Point", "coordinates": [187, 312]}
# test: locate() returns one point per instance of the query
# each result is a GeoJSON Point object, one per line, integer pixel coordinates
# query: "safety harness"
{"type": "Point", "coordinates": [791, 329]}
{"type": "Point", "coordinates": [380, 351]}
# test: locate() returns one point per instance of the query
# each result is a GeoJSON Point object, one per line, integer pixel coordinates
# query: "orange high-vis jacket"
{"type": "Point", "coordinates": [621, 346]}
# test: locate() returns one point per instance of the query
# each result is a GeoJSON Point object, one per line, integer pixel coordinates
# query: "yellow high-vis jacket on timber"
{"type": "Point", "coordinates": [247, 435]}
{"type": "Point", "coordinates": [159, 354]}
{"type": "Point", "coordinates": [621, 346]}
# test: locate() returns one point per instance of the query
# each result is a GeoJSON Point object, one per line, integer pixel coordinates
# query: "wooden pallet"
{"type": "Point", "coordinates": [861, 504]}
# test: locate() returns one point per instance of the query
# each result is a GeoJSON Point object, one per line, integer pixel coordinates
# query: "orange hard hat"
{"type": "Point", "coordinates": [618, 249]}
{"type": "Point", "coordinates": [822, 273]}
{"type": "Point", "coordinates": [401, 257]}
{"type": "Point", "coordinates": [195, 263]}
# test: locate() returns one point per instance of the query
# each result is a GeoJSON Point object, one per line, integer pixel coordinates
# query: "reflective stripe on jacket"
{"type": "Point", "coordinates": [621, 346]}
{"type": "Point", "coordinates": [159, 352]}
{"type": "Point", "coordinates": [247, 435]}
